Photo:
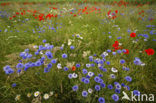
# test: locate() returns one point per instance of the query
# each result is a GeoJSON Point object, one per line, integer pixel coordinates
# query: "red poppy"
{"type": "Point", "coordinates": [17, 13]}
{"type": "Point", "coordinates": [116, 44]}
{"type": "Point", "coordinates": [73, 68]}
{"type": "Point", "coordinates": [133, 35]}
{"type": "Point", "coordinates": [116, 11]}
{"type": "Point", "coordinates": [127, 51]}
{"type": "Point", "coordinates": [10, 18]}
{"type": "Point", "coordinates": [149, 51]}
{"type": "Point", "coordinates": [108, 12]}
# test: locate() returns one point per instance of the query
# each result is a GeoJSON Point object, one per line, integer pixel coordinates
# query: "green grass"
{"type": "Point", "coordinates": [92, 28]}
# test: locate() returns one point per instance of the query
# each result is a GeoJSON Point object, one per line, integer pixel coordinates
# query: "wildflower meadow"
{"type": "Point", "coordinates": [77, 51]}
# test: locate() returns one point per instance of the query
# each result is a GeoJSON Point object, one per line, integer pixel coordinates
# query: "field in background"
{"type": "Point", "coordinates": [91, 33]}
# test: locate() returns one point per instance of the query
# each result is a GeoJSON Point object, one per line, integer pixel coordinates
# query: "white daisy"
{"type": "Point", "coordinates": [46, 96]}
{"type": "Point", "coordinates": [90, 90]}
{"type": "Point", "coordinates": [74, 75]}
{"type": "Point", "coordinates": [37, 93]}
{"type": "Point", "coordinates": [69, 42]}
{"type": "Point", "coordinates": [59, 66]}
{"type": "Point", "coordinates": [18, 96]}
{"type": "Point", "coordinates": [142, 64]}
{"type": "Point", "coordinates": [112, 76]}
{"type": "Point", "coordinates": [29, 95]}
{"type": "Point", "coordinates": [114, 70]}
{"type": "Point", "coordinates": [51, 93]}
{"type": "Point", "coordinates": [88, 65]}
{"type": "Point", "coordinates": [90, 74]}
{"type": "Point", "coordinates": [105, 53]}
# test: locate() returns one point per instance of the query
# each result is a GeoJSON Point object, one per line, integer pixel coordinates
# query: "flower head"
{"type": "Point", "coordinates": [101, 100]}
{"type": "Point", "coordinates": [37, 93]}
{"type": "Point", "coordinates": [133, 35]}
{"type": "Point", "coordinates": [115, 97]}
{"type": "Point", "coordinates": [84, 93]}
{"type": "Point", "coordinates": [149, 51]}
{"type": "Point", "coordinates": [128, 78]}
{"type": "Point", "coordinates": [75, 88]}
{"type": "Point", "coordinates": [46, 96]}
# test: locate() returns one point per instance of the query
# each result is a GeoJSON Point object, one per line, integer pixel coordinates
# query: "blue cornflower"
{"type": "Point", "coordinates": [128, 30]}
{"type": "Point", "coordinates": [46, 70]}
{"type": "Point", "coordinates": [100, 81]}
{"type": "Point", "coordinates": [136, 92]}
{"type": "Point", "coordinates": [14, 85]}
{"type": "Point", "coordinates": [103, 85]}
{"type": "Point", "coordinates": [114, 53]}
{"type": "Point", "coordinates": [84, 71]}
{"type": "Point", "coordinates": [78, 65]}
{"type": "Point", "coordinates": [115, 97]}
{"type": "Point", "coordinates": [127, 87]}
{"type": "Point", "coordinates": [75, 88]}
{"type": "Point", "coordinates": [97, 79]}
{"type": "Point", "coordinates": [37, 53]}
{"type": "Point", "coordinates": [33, 65]}
{"type": "Point", "coordinates": [137, 61]}
{"type": "Point", "coordinates": [92, 64]}
{"type": "Point", "coordinates": [26, 50]}
{"type": "Point", "coordinates": [108, 50]}
{"type": "Point", "coordinates": [101, 62]}
{"type": "Point", "coordinates": [97, 87]}
{"type": "Point", "coordinates": [70, 76]}
{"type": "Point", "coordinates": [38, 63]}
{"type": "Point", "coordinates": [108, 63]}
{"type": "Point", "coordinates": [119, 37]}
{"type": "Point", "coordinates": [123, 50]}
{"type": "Point", "coordinates": [115, 83]}
{"type": "Point", "coordinates": [100, 75]}
{"type": "Point", "coordinates": [104, 69]}
{"type": "Point", "coordinates": [127, 69]}
{"type": "Point", "coordinates": [145, 35]}
{"type": "Point", "coordinates": [7, 67]}
{"type": "Point", "coordinates": [27, 65]}
{"type": "Point", "coordinates": [82, 79]}
{"type": "Point", "coordinates": [44, 41]}
{"type": "Point", "coordinates": [101, 100]}
{"type": "Point", "coordinates": [64, 55]}
{"type": "Point", "coordinates": [84, 93]}
{"type": "Point", "coordinates": [9, 71]}
{"type": "Point", "coordinates": [110, 86]}
{"type": "Point", "coordinates": [122, 84]}
{"type": "Point", "coordinates": [29, 56]}
{"type": "Point", "coordinates": [119, 51]}
{"type": "Point", "coordinates": [72, 47]}
{"type": "Point", "coordinates": [128, 78]}
{"type": "Point", "coordinates": [25, 69]}
{"type": "Point", "coordinates": [65, 68]}
{"type": "Point", "coordinates": [49, 55]}
{"type": "Point", "coordinates": [104, 59]}
{"type": "Point", "coordinates": [53, 61]}
{"type": "Point", "coordinates": [19, 65]}
{"type": "Point", "coordinates": [86, 81]}
{"type": "Point", "coordinates": [49, 65]}
{"type": "Point", "coordinates": [87, 76]}
{"type": "Point", "coordinates": [122, 61]}
{"type": "Point", "coordinates": [19, 70]}
{"type": "Point", "coordinates": [117, 90]}
{"type": "Point", "coordinates": [94, 55]}
{"type": "Point", "coordinates": [61, 48]}
{"type": "Point", "coordinates": [90, 58]}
